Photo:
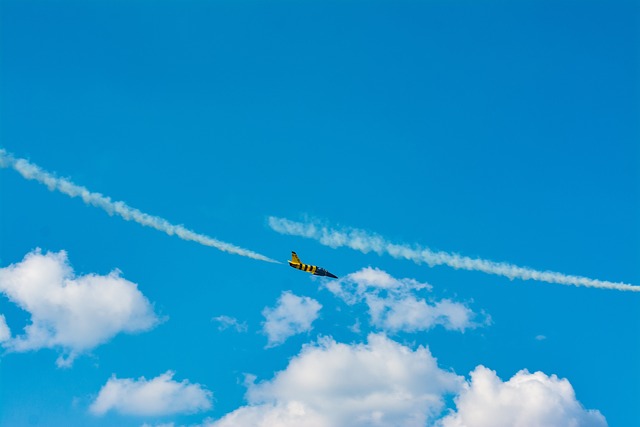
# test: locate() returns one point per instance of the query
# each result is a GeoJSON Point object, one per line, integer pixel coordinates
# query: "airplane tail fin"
{"type": "Point", "coordinates": [294, 258]}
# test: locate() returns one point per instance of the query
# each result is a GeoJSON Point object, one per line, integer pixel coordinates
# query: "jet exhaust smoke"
{"type": "Point", "coordinates": [365, 242]}
{"type": "Point", "coordinates": [33, 172]}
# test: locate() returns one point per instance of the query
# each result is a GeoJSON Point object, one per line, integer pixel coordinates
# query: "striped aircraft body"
{"type": "Point", "coordinates": [313, 269]}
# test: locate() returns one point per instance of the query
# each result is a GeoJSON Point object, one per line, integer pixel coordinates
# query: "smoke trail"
{"type": "Point", "coordinates": [366, 242]}
{"type": "Point", "coordinates": [33, 172]}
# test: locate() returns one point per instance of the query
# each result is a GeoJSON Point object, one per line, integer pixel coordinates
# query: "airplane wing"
{"type": "Point", "coordinates": [294, 258]}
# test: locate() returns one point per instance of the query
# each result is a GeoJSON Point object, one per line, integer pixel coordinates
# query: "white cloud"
{"type": "Point", "coordinates": [74, 314]}
{"type": "Point", "coordinates": [156, 397]}
{"type": "Point", "coordinates": [541, 337]}
{"type": "Point", "coordinates": [394, 305]}
{"type": "Point", "coordinates": [365, 242]}
{"type": "Point", "coordinates": [330, 384]}
{"type": "Point", "coordinates": [5, 333]}
{"type": "Point", "coordinates": [291, 414]}
{"type": "Point", "coordinates": [226, 322]}
{"type": "Point", "coordinates": [526, 400]}
{"type": "Point", "coordinates": [354, 286]}
{"type": "Point", "coordinates": [293, 315]}
{"type": "Point", "coordinates": [34, 172]}
{"type": "Point", "coordinates": [384, 383]}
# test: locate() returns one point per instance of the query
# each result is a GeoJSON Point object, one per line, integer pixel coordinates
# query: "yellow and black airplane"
{"type": "Point", "coordinates": [313, 269]}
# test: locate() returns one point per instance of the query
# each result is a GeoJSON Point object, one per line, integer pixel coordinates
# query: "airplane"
{"type": "Point", "coordinates": [313, 269]}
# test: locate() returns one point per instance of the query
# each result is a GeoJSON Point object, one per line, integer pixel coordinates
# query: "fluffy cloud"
{"type": "Point", "coordinates": [293, 315]}
{"type": "Point", "coordinates": [73, 314]}
{"type": "Point", "coordinates": [394, 304]}
{"type": "Point", "coordinates": [384, 383]}
{"type": "Point", "coordinates": [156, 397]}
{"type": "Point", "coordinates": [226, 322]}
{"type": "Point", "coordinates": [291, 414]}
{"type": "Point", "coordinates": [526, 400]}
{"type": "Point", "coordinates": [380, 383]}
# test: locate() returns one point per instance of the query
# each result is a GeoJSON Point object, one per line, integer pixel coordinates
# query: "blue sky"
{"type": "Point", "coordinates": [503, 131]}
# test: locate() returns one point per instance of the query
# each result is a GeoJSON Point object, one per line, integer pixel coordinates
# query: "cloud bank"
{"type": "Point", "coordinates": [526, 400]}
{"type": "Point", "coordinates": [365, 242]}
{"type": "Point", "coordinates": [329, 384]}
{"type": "Point", "coordinates": [155, 397]}
{"type": "Point", "coordinates": [394, 305]}
{"type": "Point", "coordinates": [73, 314]}
{"type": "Point", "coordinates": [33, 172]}
{"type": "Point", "coordinates": [384, 383]}
{"type": "Point", "coordinates": [292, 315]}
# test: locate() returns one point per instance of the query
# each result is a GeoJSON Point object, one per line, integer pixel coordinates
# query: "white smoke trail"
{"type": "Point", "coordinates": [33, 172]}
{"type": "Point", "coordinates": [367, 242]}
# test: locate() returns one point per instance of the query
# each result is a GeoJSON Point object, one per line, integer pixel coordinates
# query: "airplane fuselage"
{"type": "Point", "coordinates": [313, 269]}
{"type": "Point", "coordinates": [304, 267]}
